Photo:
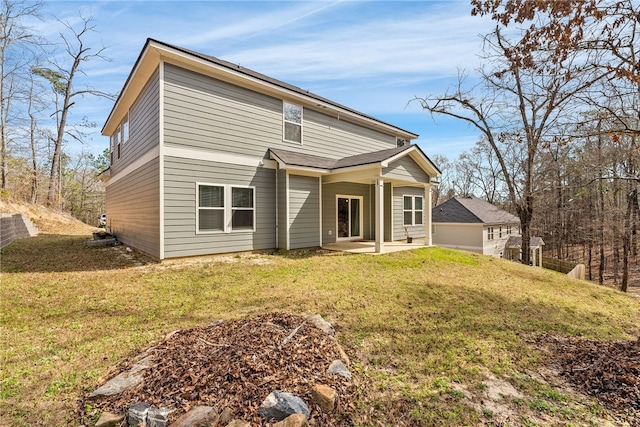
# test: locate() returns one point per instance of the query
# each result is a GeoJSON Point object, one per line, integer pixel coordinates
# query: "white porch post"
{"type": "Point", "coordinates": [428, 238]}
{"type": "Point", "coordinates": [535, 253]}
{"type": "Point", "coordinates": [379, 227]}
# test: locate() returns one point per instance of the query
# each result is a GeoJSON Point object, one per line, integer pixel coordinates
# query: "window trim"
{"type": "Point", "coordinates": [489, 233]}
{"type": "Point", "coordinates": [413, 210]}
{"type": "Point", "coordinates": [227, 208]}
{"type": "Point", "coordinates": [124, 130]}
{"type": "Point", "coordinates": [284, 121]}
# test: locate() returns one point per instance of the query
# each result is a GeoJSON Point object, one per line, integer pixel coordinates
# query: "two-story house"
{"type": "Point", "coordinates": [209, 157]}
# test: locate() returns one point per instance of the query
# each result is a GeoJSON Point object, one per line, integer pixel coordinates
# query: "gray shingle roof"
{"type": "Point", "coordinates": [312, 161]}
{"type": "Point", "coordinates": [470, 210]}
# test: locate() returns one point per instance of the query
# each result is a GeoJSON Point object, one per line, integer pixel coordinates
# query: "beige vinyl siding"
{"type": "Point", "coordinates": [304, 211]}
{"type": "Point", "coordinates": [495, 247]}
{"type": "Point", "coordinates": [459, 236]}
{"type": "Point", "coordinates": [205, 113]}
{"type": "Point", "coordinates": [406, 169]}
{"type": "Point", "coordinates": [133, 208]}
{"type": "Point", "coordinates": [398, 212]}
{"type": "Point", "coordinates": [180, 177]}
{"type": "Point", "coordinates": [329, 192]}
{"type": "Point", "coordinates": [144, 127]}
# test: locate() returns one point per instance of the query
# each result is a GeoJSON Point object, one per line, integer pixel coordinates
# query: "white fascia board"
{"type": "Point", "coordinates": [418, 157]}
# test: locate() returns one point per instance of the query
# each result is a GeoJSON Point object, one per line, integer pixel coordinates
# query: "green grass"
{"type": "Point", "coordinates": [414, 323]}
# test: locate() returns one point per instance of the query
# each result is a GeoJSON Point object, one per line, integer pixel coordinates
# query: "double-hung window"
{"type": "Point", "coordinates": [413, 210]}
{"type": "Point", "coordinates": [223, 208]}
{"type": "Point", "coordinates": [489, 233]}
{"type": "Point", "coordinates": [292, 122]}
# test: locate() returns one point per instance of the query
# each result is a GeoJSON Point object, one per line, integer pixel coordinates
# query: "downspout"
{"type": "Point", "coordinates": [277, 202]}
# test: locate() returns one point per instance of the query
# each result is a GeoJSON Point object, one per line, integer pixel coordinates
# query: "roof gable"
{"type": "Point", "coordinates": [380, 158]}
{"type": "Point", "coordinates": [470, 210]}
{"type": "Point", "coordinates": [155, 52]}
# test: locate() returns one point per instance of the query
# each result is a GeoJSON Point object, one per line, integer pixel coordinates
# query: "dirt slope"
{"type": "Point", "coordinates": [48, 221]}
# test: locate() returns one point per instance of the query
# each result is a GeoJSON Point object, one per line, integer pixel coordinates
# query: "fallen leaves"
{"type": "Point", "coordinates": [608, 371]}
{"type": "Point", "coordinates": [235, 365]}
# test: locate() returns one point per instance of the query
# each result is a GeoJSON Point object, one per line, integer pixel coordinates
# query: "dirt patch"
{"type": "Point", "coordinates": [235, 365]}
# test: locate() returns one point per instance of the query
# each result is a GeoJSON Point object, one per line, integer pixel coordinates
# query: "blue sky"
{"type": "Point", "coordinates": [374, 56]}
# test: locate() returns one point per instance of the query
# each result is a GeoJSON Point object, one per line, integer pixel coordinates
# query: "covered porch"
{"type": "Point", "coordinates": [379, 197]}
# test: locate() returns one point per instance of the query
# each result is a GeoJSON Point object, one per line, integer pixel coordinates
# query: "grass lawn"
{"type": "Point", "coordinates": [428, 329]}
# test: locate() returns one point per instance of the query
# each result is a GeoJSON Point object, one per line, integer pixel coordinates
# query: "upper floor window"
{"type": "Point", "coordinates": [412, 210]}
{"type": "Point", "coordinates": [500, 232]}
{"type": "Point", "coordinates": [124, 129]}
{"type": "Point", "coordinates": [292, 122]}
{"type": "Point", "coordinates": [489, 233]}
{"type": "Point", "coordinates": [508, 229]}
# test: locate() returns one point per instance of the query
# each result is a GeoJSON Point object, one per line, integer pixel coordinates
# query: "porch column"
{"type": "Point", "coordinates": [428, 238]}
{"type": "Point", "coordinates": [379, 214]}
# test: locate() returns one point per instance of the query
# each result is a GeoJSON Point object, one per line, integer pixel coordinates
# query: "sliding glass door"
{"type": "Point", "coordinates": [349, 217]}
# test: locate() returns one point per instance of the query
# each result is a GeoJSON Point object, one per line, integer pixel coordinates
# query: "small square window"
{"type": "Point", "coordinates": [413, 210]}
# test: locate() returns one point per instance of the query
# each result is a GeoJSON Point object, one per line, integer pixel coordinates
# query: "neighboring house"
{"type": "Point", "coordinates": [210, 157]}
{"type": "Point", "coordinates": [473, 224]}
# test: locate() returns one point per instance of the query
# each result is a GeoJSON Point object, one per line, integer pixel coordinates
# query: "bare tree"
{"type": "Point", "coordinates": [62, 80]}
{"type": "Point", "coordinates": [519, 105]}
{"type": "Point", "coordinates": [15, 36]}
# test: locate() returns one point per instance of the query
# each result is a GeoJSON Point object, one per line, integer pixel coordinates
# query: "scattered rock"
{"type": "Point", "coordinates": [295, 420]}
{"type": "Point", "coordinates": [158, 417]}
{"type": "Point", "coordinates": [324, 396]}
{"type": "Point", "coordinates": [317, 321]}
{"type": "Point", "coordinates": [107, 419]}
{"type": "Point", "coordinates": [338, 367]}
{"type": "Point", "coordinates": [279, 405]}
{"type": "Point", "coordinates": [198, 416]}
{"type": "Point", "coordinates": [215, 323]}
{"type": "Point", "coordinates": [138, 413]}
{"type": "Point", "coordinates": [343, 355]}
{"type": "Point", "coordinates": [231, 356]}
{"type": "Point", "coordinates": [238, 423]}
{"type": "Point", "coordinates": [124, 380]}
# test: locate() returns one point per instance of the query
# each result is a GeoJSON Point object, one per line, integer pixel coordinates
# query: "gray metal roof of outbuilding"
{"type": "Point", "coordinates": [471, 210]}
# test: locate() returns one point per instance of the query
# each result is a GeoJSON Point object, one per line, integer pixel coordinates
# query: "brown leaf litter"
{"type": "Point", "coordinates": [608, 371]}
{"type": "Point", "coordinates": [235, 365]}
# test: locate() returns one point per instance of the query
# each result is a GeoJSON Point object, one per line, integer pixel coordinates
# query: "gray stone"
{"type": "Point", "coordinates": [338, 367]}
{"type": "Point", "coordinates": [124, 380]}
{"type": "Point", "coordinates": [138, 413]}
{"type": "Point", "coordinates": [107, 419]}
{"type": "Point", "coordinates": [279, 405]}
{"type": "Point", "coordinates": [198, 416]}
{"type": "Point", "coordinates": [118, 384]}
{"type": "Point", "coordinates": [158, 417]}
{"type": "Point", "coordinates": [317, 321]}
